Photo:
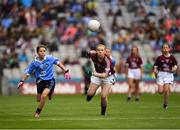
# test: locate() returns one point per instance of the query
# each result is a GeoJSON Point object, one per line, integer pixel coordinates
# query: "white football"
{"type": "Point", "coordinates": [94, 25]}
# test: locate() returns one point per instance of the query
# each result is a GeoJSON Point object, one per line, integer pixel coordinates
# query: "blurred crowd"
{"type": "Point", "coordinates": [26, 23]}
{"type": "Point", "coordinates": [151, 22]}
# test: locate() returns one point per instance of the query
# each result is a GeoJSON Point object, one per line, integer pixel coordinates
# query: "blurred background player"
{"type": "Point", "coordinates": [109, 54]}
{"type": "Point", "coordinates": [164, 68]}
{"type": "Point", "coordinates": [42, 66]}
{"type": "Point", "coordinates": [87, 70]}
{"type": "Point", "coordinates": [103, 75]}
{"type": "Point", "coordinates": [134, 73]}
{"type": "Point", "coordinates": [63, 24]}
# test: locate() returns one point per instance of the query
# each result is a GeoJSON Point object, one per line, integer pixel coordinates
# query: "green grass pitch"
{"type": "Point", "coordinates": [72, 111]}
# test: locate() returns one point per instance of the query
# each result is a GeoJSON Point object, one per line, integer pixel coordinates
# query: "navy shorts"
{"type": "Point", "coordinates": [42, 84]}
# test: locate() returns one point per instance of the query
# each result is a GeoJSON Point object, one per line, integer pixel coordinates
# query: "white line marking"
{"type": "Point", "coordinates": [91, 129]}
{"type": "Point", "coordinates": [93, 119]}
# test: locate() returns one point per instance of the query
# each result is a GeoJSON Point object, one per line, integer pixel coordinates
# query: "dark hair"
{"type": "Point", "coordinates": [40, 46]}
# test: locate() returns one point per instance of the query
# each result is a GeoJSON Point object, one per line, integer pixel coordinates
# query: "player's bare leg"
{"type": "Point", "coordinates": [50, 94]}
{"type": "Point", "coordinates": [42, 102]}
{"type": "Point", "coordinates": [166, 95]}
{"type": "Point", "coordinates": [106, 89]}
{"type": "Point", "coordinates": [137, 90]}
{"type": "Point", "coordinates": [38, 97]}
{"type": "Point", "coordinates": [131, 89]}
{"type": "Point", "coordinates": [160, 89]}
{"type": "Point", "coordinates": [91, 91]}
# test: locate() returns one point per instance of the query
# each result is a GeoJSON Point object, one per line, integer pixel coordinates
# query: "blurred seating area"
{"type": "Point", "coordinates": [59, 24]}
{"type": "Point", "coordinates": [145, 23]}
{"type": "Point", "coordinates": [62, 26]}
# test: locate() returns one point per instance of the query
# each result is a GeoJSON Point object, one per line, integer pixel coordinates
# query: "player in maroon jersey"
{"type": "Point", "coordinates": [164, 68]}
{"type": "Point", "coordinates": [103, 75]}
{"type": "Point", "coordinates": [134, 73]}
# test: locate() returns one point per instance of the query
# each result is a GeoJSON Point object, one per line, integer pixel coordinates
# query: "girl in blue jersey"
{"type": "Point", "coordinates": [42, 67]}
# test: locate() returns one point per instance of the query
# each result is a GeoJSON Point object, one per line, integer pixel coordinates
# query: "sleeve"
{"type": "Point", "coordinates": [55, 60]}
{"type": "Point", "coordinates": [156, 62]}
{"type": "Point", "coordinates": [30, 68]}
{"type": "Point", "coordinates": [91, 54]}
{"type": "Point", "coordinates": [113, 61]}
{"type": "Point", "coordinates": [175, 61]}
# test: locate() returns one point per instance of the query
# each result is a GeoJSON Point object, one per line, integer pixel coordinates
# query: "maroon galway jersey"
{"type": "Point", "coordinates": [164, 63]}
{"type": "Point", "coordinates": [134, 62]}
{"type": "Point", "coordinates": [103, 66]}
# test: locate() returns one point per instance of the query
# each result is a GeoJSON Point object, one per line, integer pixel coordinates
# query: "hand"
{"type": "Point", "coordinates": [67, 76]}
{"type": "Point", "coordinates": [155, 75]}
{"type": "Point", "coordinates": [89, 73]}
{"type": "Point", "coordinates": [174, 69]}
{"type": "Point", "coordinates": [20, 84]}
{"type": "Point", "coordinates": [155, 72]}
{"type": "Point", "coordinates": [126, 74]}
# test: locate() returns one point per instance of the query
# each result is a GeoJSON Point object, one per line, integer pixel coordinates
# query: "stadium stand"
{"type": "Point", "coordinates": [61, 25]}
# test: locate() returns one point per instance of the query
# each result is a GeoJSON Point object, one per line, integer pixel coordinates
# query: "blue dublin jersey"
{"type": "Point", "coordinates": [43, 69]}
{"type": "Point", "coordinates": [113, 61]}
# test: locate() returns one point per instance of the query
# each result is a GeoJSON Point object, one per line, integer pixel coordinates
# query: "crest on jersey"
{"type": "Point", "coordinates": [167, 60]}
{"type": "Point", "coordinates": [46, 65]}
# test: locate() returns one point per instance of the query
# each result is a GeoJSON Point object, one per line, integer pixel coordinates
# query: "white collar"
{"type": "Point", "coordinates": [167, 55]}
{"type": "Point", "coordinates": [37, 59]}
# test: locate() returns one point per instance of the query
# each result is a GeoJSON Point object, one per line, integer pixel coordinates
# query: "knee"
{"type": "Point", "coordinates": [103, 97]}
{"type": "Point", "coordinates": [43, 97]}
{"type": "Point", "coordinates": [130, 86]}
{"type": "Point", "coordinates": [166, 91]}
{"type": "Point", "coordinates": [89, 93]}
{"type": "Point", "coordinates": [160, 91]}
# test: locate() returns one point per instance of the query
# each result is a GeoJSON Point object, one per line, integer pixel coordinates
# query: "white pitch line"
{"type": "Point", "coordinates": [92, 129]}
{"type": "Point", "coordinates": [94, 119]}
{"type": "Point", "coordinates": [120, 118]}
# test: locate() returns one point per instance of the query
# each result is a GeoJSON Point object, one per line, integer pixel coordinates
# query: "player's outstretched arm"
{"type": "Point", "coordinates": [66, 71]}
{"type": "Point", "coordinates": [21, 82]}
{"type": "Point", "coordinates": [90, 53]}
{"type": "Point", "coordinates": [100, 75]}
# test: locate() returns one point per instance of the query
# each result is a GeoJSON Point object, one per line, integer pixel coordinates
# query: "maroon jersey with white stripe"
{"type": "Point", "coordinates": [164, 63]}
{"type": "Point", "coordinates": [134, 62]}
{"type": "Point", "coordinates": [103, 66]}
